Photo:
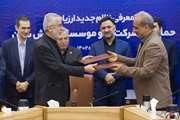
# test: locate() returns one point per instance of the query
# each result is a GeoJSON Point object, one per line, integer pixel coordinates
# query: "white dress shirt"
{"type": "Point", "coordinates": [22, 53]}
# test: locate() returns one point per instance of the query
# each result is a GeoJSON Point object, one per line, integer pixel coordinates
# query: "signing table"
{"type": "Point", "coordinates": [29, 114]}
{"type": "Point", "coordinates": [80, 113]}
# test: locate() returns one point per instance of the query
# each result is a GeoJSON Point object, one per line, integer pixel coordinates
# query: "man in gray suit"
{"type": "Point", "coordinates": [149, 69]}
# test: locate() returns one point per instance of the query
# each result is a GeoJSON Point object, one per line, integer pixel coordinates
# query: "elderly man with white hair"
{"type": "Point", "coordinates": [51, 67]}
{"type": "Point", "coordinates": [149, 69]}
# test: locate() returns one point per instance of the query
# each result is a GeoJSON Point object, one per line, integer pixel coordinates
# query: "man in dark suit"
{"type": "Point", "coordinates": [172, 53]}
{"type": "Point", "coordinates": [2, 75]}
{"type": "Point", "coordinates": [17, 53]}
{"type": "Point", "coordinates": [52, 68]}
{"type": "Point", "coordinates": [68, 54]}
{"type": "Point", "coordinates": [105, 81]}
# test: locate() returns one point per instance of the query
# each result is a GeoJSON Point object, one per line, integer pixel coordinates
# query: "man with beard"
{"type": "Point", "coordinates": [105, 81]}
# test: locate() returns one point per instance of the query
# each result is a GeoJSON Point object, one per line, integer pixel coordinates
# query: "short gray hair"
{"type": "Point", "coordinates": [65, 30]}
{"type": "Point", "coordinates": [146, 19]}
{"type": "Point", "coordinates": [49, 19]}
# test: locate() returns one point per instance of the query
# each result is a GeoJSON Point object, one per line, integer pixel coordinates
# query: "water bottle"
{"type": "Point", "coordinates": [146, 102]}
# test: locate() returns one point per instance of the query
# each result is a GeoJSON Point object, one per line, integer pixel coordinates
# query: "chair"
{"type": "Point", "coordinates": [81, 90]}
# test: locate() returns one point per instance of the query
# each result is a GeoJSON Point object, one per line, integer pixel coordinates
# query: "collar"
{"type": "Point", "coordinates": [147, 37]}
{"type": "Point", "coordinates": [20, 42]}
{"type": "Point", "coordinates": [114, 40]}
{"type": "Point", "coordinates": [49, 38]}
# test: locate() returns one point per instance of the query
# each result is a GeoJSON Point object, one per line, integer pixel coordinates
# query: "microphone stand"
{"type": "Point", "coordinates": [3, 102]}
{"type": "Point", "coordinates": [104, 97]}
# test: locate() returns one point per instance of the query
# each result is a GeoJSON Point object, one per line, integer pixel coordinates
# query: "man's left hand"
{"type": "Point", "coordinates": [116, 66]}
{"type": "Point", "coordinates": [24, 86]}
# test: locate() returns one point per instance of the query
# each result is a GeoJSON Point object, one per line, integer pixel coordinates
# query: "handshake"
{"type": "Point", "coordinates": [110, 56]}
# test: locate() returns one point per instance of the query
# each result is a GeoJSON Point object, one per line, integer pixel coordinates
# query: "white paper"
{"type": "Point", "coordinates": [53, 104]}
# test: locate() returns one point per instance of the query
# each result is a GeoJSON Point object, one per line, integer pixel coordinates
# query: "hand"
{"type": "Point", "coordinates": [90, 68]}
{"type": "Point", "coordinates": [21, 86]}
{"type": "Point", "coordinates": [18, 87]}
{"type": "Point", "coordinates": [114, 57]}
{"type": "Point", "coordinates": [116, 66]}
{"type": "Point", "coordinates": [109, 78]}
{"type": "Point", "coordinates": [24, 85]}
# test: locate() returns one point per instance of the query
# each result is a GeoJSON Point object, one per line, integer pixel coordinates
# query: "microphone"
{"type": "Point", "coordinates": [104, 97]}
{"type": "Point", "coordinates": [6, 103]}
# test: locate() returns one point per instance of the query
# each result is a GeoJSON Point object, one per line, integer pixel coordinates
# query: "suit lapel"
{"type": "Point", "coordinates": [141, 51]}
{"type": "Point", "coordinates": [56, 53]}
{"type": "Point", "coordinates": [139, 55]}
{"type": "Point", "coordinates": [101, 48]}
{"type": "Point", "coordinates": [68, 55]}
{"type": "Point", "coordinates": [118, 47]}
{"type": "Point", "coordinates": [16, 54]}
{"type": "Point", "coordinates": [27, 55]}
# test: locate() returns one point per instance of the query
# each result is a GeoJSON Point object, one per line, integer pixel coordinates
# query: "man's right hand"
{"type": "Point", "coordinates": [114, 57]}
{"type": "Point", "coordinates": [90, 68]}
{"type": "Point", "coordinates": [109, 78]}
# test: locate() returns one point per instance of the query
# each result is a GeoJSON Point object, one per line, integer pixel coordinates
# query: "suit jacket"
{"type": "Point", "coordinates": [2, 74]}
{"type": "Point", "coordinates": [13, 68]}
{"type": "Point", "coordinates": [121, 47]}
{"type": "Point", "coordinates": [52, 72]}
{"type": "Point", "coordinates": [173, 60]}
{"type": "Point", "coordinates": [150, 72]}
